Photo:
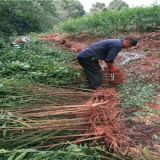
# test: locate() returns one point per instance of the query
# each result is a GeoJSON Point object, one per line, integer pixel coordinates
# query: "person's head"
{"type": "Point", "coordinates": [129, 42]}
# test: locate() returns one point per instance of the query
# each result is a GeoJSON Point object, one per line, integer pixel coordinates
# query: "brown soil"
{"type": "Point", "coordinates": [149, 68]}
{"type": "Point", "coordinates": [147, 41]}
{"type": "Point", "coordinates": [155, 106]}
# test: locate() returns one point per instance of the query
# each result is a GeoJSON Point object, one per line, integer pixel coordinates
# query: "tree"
{"type": "Point", "coordinates": [24, 16]}
{"type": "Point", "coordinates": [98, 7]}
{"type": "Point", "coordinates": [117, 5]}
{"type": "Point", "coordinates": [21, 17]}
{"type": "Point", "coordinates": [69, 9]}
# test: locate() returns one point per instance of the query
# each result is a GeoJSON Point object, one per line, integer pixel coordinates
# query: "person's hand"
{"type": "Point", "coordinates": [114, 70]}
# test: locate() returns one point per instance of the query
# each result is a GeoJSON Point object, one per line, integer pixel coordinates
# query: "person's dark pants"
{"type": "Point", "coordinates": [92, 70]}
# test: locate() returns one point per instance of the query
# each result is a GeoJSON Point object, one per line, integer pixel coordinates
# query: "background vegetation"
{"type": "Point", "coordinates": [109, 23]}
{"type": "Point", "coordinates": [22, 17]}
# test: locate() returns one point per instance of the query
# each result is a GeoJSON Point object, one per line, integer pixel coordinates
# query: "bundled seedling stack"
{"type": "Point", "coordinates": [96, 122]}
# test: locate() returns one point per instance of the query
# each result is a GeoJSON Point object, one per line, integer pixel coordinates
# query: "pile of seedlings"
{"type": "Point", "coordinates": [97, 122]}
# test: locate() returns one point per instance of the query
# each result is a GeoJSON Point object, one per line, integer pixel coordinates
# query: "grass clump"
{"type": "Point", "coordinates": [137, 94]}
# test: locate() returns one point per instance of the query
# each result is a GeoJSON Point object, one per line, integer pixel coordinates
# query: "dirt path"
{"type": "Point", "coordinates": [147, 41]}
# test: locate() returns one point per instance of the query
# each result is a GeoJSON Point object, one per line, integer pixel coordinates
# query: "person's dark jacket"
{"type": "Point", "coordinates": [103, 50]}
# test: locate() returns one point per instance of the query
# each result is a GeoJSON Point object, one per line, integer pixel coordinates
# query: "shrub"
{"type": "Point", "coordinates": [112, 22]}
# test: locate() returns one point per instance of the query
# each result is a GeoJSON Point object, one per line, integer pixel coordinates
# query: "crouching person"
{"type": "Point", "coordinates": [106, 50]}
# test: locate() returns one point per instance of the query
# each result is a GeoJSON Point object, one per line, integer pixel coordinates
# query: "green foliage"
{"type": "Point", "coordinates": [137, 94]}
{"type": "Point", "coordinates": [98, 7]}
{"type": "Point", "coordinates": [72, 152]}
{"type": "Point", "coordinates": [3, 42]}
{"type": "Point", "coordinates": [67, 9]}
{"type": "Point", "coordinates": [37, 62]}
{"type": "Point", "coordinates": [117, 5]}
{"type": "Point", "coordinates": [114, 22]}
{"type": "Point", "coordinates": [13, 93]}
{"type": "Point", "coordinates": [21, 17]}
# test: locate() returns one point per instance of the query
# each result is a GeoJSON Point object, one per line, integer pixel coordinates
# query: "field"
{"type": "Point", "coordinates": [47, 112]}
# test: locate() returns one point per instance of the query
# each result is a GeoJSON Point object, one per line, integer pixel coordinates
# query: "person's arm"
{"type": "Point", "coordinates": [112, 54]}
{"type": "Point", "coordinates": [110, 59]}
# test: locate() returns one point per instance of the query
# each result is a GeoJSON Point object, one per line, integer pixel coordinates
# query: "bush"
{"type": "Point", "coordinates": [112, 22]}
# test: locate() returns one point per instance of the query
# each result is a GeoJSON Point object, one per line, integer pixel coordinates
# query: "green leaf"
{"type": "Point", "coordinates": [2, 151]}
{"type": "Point", "coordinates": [21, 156]}
{"type": "Point", "coordinates": [4, 133]}
{"type": "Point", "coordinates": [12, 156]}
